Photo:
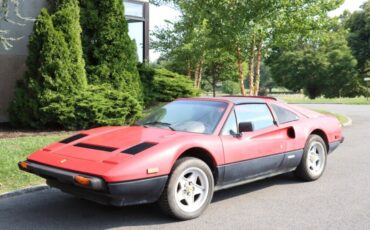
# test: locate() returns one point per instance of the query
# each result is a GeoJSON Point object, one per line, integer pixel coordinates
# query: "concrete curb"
{"type": "Point", "coordinates": [24, 191]}
{"type": "Point", "coordinates": [349, 121]}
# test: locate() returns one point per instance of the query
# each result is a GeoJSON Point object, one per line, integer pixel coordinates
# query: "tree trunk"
{"type": "Point", "coordinates": [200, 73]}
{"type": "Point", "coordinates": [251, 67]}
{"type": "Point", "coordinates": [196, 75]}
{"type": "Point", "coordinates": [258, 69]}
{"type": "Point", "coordinates": [214, 88]}
{"type": "Point", "coordinates": [240, 69]}
{"type": "Point", "coordinates": [189, 69]}
{"type": "Point", "coordinates": [213, 72]}
{"type": "Point", "coordinates": [214, 84]}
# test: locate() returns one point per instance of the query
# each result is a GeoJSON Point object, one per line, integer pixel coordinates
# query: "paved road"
{"type": "Point", "coordinates": [339, 200]}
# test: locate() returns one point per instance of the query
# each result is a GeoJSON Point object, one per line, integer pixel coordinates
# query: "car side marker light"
{"type": "Point", "coordinates": [82, 180]}
{"type": "Point", "coordinates": [152, 170]}
{"type": "Point", "coordinates": [23, 164]}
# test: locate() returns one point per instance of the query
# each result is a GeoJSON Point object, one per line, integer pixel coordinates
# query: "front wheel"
{"type": "Point", "coordinates": [189, 189]}
{"type": "Point", "coordinates": [314, 158]}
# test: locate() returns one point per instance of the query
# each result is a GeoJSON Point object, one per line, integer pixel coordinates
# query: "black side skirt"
{"type": "Point", "coordinates": [255, 169]}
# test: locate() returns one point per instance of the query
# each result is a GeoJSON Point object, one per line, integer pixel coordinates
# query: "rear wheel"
{"type": "Point", "coordinates": [314, 158]}
{"type": "Point", "coordinates": [189, 189]}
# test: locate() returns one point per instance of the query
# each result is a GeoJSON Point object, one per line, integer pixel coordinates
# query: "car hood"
{"type": "Point", "coordinates": [102, 145]}
{"type": "Point", "coordinates": [124, 137]}
{"type": "Point", "coordinates": [117, 153]}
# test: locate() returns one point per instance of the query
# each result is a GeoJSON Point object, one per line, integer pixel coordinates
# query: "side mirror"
{"type": "Point", "coordinates": [246, 127]}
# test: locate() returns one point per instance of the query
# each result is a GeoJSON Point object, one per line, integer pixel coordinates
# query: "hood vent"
{"type": "Point", "coordinates": [138, 148]}
{"type": "Point", "coordinates": [73, 138]}
{"type": "Point", "coordinates": [96, 147]}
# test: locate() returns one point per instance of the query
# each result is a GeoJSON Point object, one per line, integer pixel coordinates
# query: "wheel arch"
{"type": "Point", "coordinates": [323, 135]}
{"type": "Point", "coordinates": [203, 155]}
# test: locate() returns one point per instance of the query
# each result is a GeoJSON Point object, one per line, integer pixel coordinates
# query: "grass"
{"type": "Point", "coordinates": [300, 99]}
{"type": "Point", "coordinates": [342, 119]}
{"type": "Point", "coordinates": [13, 150]}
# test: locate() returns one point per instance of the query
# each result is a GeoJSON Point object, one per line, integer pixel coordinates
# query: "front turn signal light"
{"type": "Point", "coordinates": [23, 165]}
{"type": "Point", "coordinates": [82, 180]}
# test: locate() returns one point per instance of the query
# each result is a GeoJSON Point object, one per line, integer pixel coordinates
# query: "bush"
{"type": "Point", "coordinates": [161, 85]}
{"type": "Point", "coordinates": [54, 92]}
{"type": "Point", "coordinates": [55, 70]}
{"type": "Point", "coordinates": [101, 105]}
{"type": "Point", "coordinates": [109, 52]}
{"type": "Point", "coordinates": [230, 87]}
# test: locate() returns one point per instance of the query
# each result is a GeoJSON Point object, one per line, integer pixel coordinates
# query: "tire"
{"type": "Point", "coordinates": [189, 189]}
{"type": "Point", "coordinates": [314, 159]}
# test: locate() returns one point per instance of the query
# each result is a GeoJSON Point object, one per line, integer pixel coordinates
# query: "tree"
{"type": "Point", "coordinates": [320, 68]}
{"type": "Point", "coordinates": [183, 45]}
{"type": "Point", "coordinates": [219, 66]}
{"type": "Point", "coordinates": [358, 24]}
{"type": "Point", "coordinates": [267, 82]}
{"type": "Point", "coordinates": [55, 70]}
{"type": "Point", "coordinates": [109, 52]}
{"type": "Point", "coordinates": [250, 28]}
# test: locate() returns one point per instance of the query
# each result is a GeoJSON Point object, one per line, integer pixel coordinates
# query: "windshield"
{"type": "Point", "coordinates": [196, 116]}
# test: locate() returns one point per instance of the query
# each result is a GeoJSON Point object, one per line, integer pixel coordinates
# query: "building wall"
{"type": "Point", "coordinates": [12, 61]}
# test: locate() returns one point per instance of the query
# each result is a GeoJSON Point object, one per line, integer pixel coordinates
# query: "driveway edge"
{"type": "Point", "coordinates": [349, 121]}
{"type": "Point", "coordinates": [24, 191]}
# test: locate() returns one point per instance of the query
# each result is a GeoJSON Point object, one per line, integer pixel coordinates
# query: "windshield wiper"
{"type": "Point", "coordinates": [159, 123]}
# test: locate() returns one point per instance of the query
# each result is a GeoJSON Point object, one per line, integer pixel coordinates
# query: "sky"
{"type": "Point", "coordinates": [159, 14]}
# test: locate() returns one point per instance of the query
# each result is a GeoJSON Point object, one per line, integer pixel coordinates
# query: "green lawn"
{"type": "Point", "coordinates": [13, 150]}
{"type": "Point", "coordinates": [300, 99]}
{"type": "Point", "coordinates": [342, 119]}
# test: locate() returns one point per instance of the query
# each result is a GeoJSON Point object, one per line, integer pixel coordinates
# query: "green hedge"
{"type": "Point", "coordinates": [101, 105]}
{"type": "Point", "coordinates": [161, 85]}
{"type": "Point", "coordinates": [109, 52]}
{"type": "Point", "coordinates": [55, 70]}
{"type": "Point", "coordinates": [54, 92]}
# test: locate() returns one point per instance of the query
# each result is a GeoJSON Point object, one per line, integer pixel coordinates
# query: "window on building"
{"type": "Point", "coordinates": [134, 9]}
{"type": "Point", "coordinates": [136, 32]}
{"type": "Point", "coordinates": [136, 13]}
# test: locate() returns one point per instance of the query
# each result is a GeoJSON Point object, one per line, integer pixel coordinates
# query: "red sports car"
{"type": "Point", "coordinates": [183, 152]}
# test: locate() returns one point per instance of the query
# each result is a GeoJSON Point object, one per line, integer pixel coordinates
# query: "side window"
{"type": "Point", "coordinates": [230, 125]}
{"type": "Point", "coordinates": [284, 115]}
{"type": "Point", "coordinates": [258, 114]}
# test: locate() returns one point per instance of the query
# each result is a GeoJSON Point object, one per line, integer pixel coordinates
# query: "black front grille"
{"type": "Point", "coordinates": [96, 147]}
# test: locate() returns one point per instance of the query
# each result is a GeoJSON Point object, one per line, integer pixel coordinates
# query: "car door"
{"type": "Point", "coordinates": [288, 119]}
{"type": "Point", "coordinates": [252, 154]}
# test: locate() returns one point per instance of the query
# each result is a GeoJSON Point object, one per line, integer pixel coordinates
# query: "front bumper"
{"type": "Point", "coordinates": [116, 194]}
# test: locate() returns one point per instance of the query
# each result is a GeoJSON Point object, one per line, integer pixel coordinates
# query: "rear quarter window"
{"type": "Point", "coordinates": [283, 115]}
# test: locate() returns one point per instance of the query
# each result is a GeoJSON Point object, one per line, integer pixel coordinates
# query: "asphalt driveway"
{"type": "Point", "coordinates": [339, 200]}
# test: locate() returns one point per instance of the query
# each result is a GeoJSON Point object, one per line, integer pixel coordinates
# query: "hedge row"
{"type": "Point", "coordinates": [161, 85]}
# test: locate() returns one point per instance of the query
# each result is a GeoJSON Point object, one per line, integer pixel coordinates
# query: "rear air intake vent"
{"type": "Point", "coordinates": [138, 148]}
{"type": "Point", "coordinates": [73, 138]}
{"type": "Point", "coordinates": [96, 147]}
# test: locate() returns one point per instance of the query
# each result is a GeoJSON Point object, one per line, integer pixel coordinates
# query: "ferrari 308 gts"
{"type": "Point", "coordinates": [184, 151]}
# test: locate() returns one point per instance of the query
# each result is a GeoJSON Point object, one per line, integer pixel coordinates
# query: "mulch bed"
{"type": "Point", "coordinates": [6, 131]}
